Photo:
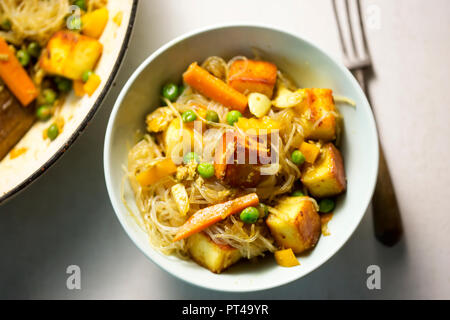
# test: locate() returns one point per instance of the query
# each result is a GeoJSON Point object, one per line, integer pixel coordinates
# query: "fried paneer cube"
{"type": "Point", "coordinates": [326, 177]}
{"type": "Point", "coordinates": [247, 76]}
{"type": "Point", "coordinates": [70, 54]}
{"type": "Point", "coordinates": [296, 224]}
{"type": "Point", "coordinates": [211, 255]}
{"type": "Point", "coordinates": [237, 159]}
{"type": "Point", "coordinates": [318, 114]}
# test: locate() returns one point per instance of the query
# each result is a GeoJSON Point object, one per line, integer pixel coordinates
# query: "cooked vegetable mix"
{"type": "Point", "coordinates": [251, 165]}
{"type": "Point", "coordinates": [45, 49]}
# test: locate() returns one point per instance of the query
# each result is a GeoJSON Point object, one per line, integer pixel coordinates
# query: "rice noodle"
{"type": "Point", "coordinates": [33, 19]}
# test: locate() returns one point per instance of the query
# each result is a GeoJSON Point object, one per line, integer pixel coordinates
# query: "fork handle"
{"type": "Point", "coordinates": [386, 214]}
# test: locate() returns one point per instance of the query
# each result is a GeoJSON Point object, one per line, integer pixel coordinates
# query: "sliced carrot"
{"type": "Point", "coordinates": [214, 88]}
{"type": "Point", "coordinates": [15, 76]}
{"type": "Point", "coordinates": [310, 151]}
{"type": "Point", "coordinates": [157, 171]}
{"type": "Point", "coordinates": [286, 258]}
{"type": "Point", "coordinates": [206, 217]}
{"type": "Point", "coordinates": [78, 87]}
{"type": "Point", "coordinates": [92, 84]}
{"type": "Point", "coordinates": [94, 22]}
{"type": "Point", "coordinates": [253, 76]}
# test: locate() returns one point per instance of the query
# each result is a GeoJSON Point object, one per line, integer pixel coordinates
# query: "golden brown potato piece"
{"type": "Point", "coordinates": [247, 76]}
{"type": "Point", "coordinates": [318, 114]}
{"type": "Point", "coordinates": [211, 255]}
{"type": "Point", "coordinates": [326, 177]}
{"type": "Point", "coordinates": [70, 54]}
{"type": "Point", "coordinates": [296, 224]}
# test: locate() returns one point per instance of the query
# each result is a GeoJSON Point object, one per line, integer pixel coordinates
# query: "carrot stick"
{"type": "Point", "coordinates": [214, 88]}
{"type": "Point", "coordinates": [206, 217]}
{"type": "Point", "coordinates": [15, 76]}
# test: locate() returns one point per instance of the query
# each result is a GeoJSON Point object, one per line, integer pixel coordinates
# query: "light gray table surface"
{"type": "Point", "coordinates": [65, 218]}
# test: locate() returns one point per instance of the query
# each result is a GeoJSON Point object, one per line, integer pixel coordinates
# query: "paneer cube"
{"type": "Point", "coordinates": [326, 177]}
{"type": "Point", "coordinates": [247, 76]}
{"type": "Point", "coordinates": [237, 159]}
{"type": "Point", "coordinates": [70, 54]}
{"type": "Point", "coordinates": [318, 114]}
{"type": "Point", "coordinates": [211, 255]}
{"type": "Point", "coordinates": [296, 224]}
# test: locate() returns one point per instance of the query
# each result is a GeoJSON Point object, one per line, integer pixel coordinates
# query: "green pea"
{"type": "Point", "coordinates": [170, 91]}
{"type": "Point", "coordinates": [263, 210]}
{"type": "Point", "coordinates": [212, 116]}
{"type": "Point", "coordinates": [43, 113]}
{"type": "Point", "coordinates": [63, 84]}
{"type": "Point", "coordinates": [85, 76]}
{"type": "Point", "coordinates": [81, 4]}
{"type": "Point", "coordinates": [249, 215]}
{"type": "Point", "coordinates": [188, 116]}
{"type": "Point", "coordinates": [49, 96]}
{"type": "Point", "coordinates": [297, 157]}
{"type": "Point", "coordinates": [34, 49]}
{"type": "Point", "coordinates": [191, 156]}
{"type": "Point", "coordinates": [53, 132]}
{"type": "Point", "coordinates": [298, 193]}
{"type": "Point", "coordinates": [23, 57]}
{"type": "Point", "coordinates": [233, 116]}
{"type": "Point", "coordinates": [326, 205]}
{"type": "Point", "coordinates": [6, 24]}
{"type": "Point", "coordinates": [205, 170]}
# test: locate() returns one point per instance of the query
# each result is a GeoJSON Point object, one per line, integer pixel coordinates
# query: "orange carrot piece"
{"type": "Point", "coordinates": [286, 258]}
{"type": "Point", "coordinates": [214, 88]}
{"type": "Point", "coordinates": [78, 87]}
{"type": "Point", "coordinates": [206, 217]}
{"type": "Point", "coordinates": [15, 76]}
{"type": "Point", "coordinates": [157, 171]}
{"type": "Point", "coordinates": [92, 84]}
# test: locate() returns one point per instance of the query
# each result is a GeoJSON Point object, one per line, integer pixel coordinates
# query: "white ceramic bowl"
{"type": "Point", "coordinates": [310, 67]}
{"type": "Point", "coordinates": [18, 172]}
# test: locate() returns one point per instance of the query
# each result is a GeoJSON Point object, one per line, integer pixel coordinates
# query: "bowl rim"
{"type": "Point", "coordinates": [78, 131]}
{"type": "Point", "coordinates": [107, 148]}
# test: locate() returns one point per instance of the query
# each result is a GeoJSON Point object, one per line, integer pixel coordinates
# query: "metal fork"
{"type": "Point", "coordinates": [386, 214]}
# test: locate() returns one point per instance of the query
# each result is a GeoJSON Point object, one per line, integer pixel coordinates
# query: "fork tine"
{"type": "Point", "coordinates": [341, 35]}
{"type": "Point", "coordinates": [363, 31]}
{"type": "Point", "coordinates": [353, 41]}
{"type": "Point", "coordinates": [350, 28]}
